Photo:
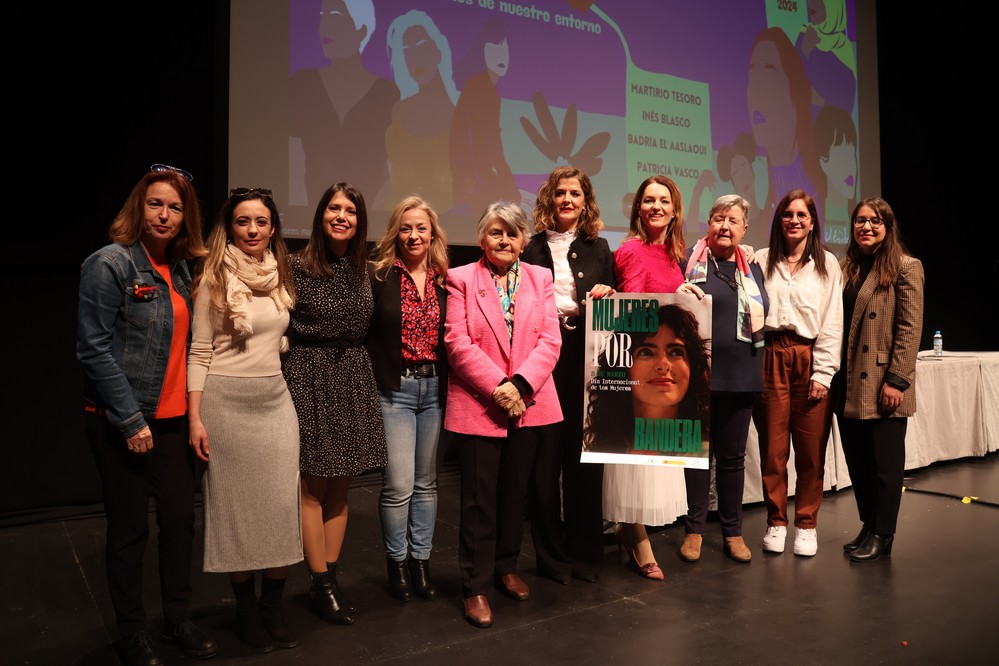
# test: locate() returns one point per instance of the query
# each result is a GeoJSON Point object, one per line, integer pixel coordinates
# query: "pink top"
{"type": "Point", "coordinates": [645, 268]}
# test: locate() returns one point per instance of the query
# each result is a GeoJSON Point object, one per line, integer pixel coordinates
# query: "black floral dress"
{"type": "Point", "coordinates": [329, 374]}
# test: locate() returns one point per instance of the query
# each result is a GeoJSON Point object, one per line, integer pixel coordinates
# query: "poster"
{"type": "Point", "coordinates": [647, 388]}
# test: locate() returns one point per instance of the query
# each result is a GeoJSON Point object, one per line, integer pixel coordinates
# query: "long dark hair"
{"type": "Point", "coordinates": [608, 409]}
{"type": "Point", "coordinates": [815, 248]}
{"type": "Point", "coordinates": [317, 256]}
{"type": "Point", "coordinates": [887, 257]}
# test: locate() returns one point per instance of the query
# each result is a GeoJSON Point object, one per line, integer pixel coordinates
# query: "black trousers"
{"type": "Point", "coordinates": [494, 476]}
{"type": "Point", "coordinates": [561, 486]}
{"type": "Point", "coordinates": [129, 480]}
{"type": "Point", "coordinates": [730, 417]}
{"type": "Point", "coordinates": [875, 455]}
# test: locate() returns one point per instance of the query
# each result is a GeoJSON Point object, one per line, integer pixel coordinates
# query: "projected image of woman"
{"type": "Point", "coordinates": [339, 113]}
{"type": "Point", "coordinates": [480, 171]}
{"type": "Point", "coordinates": [417, 140]}
{"type": "Point", "coordinates": [836, 146]}
{"type": "Point", "coordinates": [777, 100]}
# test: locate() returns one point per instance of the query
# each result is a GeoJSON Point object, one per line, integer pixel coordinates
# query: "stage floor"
{"type": "Point", "coordinates": [932, 602]}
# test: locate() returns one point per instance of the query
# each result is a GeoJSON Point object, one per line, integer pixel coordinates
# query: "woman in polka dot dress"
{"type": "Point", "coordinates": [329, 375]}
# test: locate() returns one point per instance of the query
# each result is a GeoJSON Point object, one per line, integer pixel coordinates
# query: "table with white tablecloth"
{"type": "Point", "coordinates": [957, 416]}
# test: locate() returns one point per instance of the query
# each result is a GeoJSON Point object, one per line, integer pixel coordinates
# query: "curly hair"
{"type": "Point", "coordinates": [606, 409]}
{"type": "Point", "coordinates": [589, 224]}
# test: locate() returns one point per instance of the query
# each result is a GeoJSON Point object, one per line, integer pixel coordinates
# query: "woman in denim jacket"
{"type": "Point", "coordinates": [133, 330]}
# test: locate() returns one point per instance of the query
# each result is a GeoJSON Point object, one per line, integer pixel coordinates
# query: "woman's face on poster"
{"type": "Point", "coordinates": [661, 368]}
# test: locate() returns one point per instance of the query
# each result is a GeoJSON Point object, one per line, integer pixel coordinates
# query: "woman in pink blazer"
{"type": "Point", "coordinates": [502, 339]}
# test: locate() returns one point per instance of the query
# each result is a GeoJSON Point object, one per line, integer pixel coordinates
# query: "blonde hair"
{"type": "Point", "coordinates": [387, 249]}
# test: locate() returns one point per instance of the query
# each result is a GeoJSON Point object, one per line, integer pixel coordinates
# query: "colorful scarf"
{"type": "Point", "coordinates": [246, 274]}
{"type": "Point", "coordinates": [749, 323]}
{"type": "Point", "coordinates": [508, 296]}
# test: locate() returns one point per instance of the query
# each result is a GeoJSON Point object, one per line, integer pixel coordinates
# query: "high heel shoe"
{"type": "Point", "coordinates": [851, 546]}
{"type": "Point", "coordinates": [648, 570]}
{"type": "Point", "coordinates": [874, 547]}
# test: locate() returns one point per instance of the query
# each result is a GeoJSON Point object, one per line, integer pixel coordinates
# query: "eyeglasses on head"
{"type": "Point", "coordinates": [186, 175]}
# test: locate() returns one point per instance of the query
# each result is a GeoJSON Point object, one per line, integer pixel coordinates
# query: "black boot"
{"type": "Point", "coordinates": [398, 576]}
{"type": "Point", "coordinates": [851, 546]}
{"type": "Point", "coordinates": [272, 613]}
{"type": "Point", "coordinates": [419, 572]}
{"type": "Point", "coordinates": [249, 625]}
{"type": "Point", "coordinates": [325, 602]}
{"type": "Point", "coordinates": [331, 567]}
{"type": "Point", "coordinates": [873, 548]}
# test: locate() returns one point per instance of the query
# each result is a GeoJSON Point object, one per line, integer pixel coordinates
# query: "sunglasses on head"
{"type": "Point", "coordinates": [157, 168]}
{"type": "Point", "coordinates": [246, 191]}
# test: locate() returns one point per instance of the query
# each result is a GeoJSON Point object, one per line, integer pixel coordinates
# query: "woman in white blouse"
{"type": "Point", "coordinates": [804, 333]}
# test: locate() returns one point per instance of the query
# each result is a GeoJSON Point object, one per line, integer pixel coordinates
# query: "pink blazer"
{"type": "Point", "coordinates": [481, 355]}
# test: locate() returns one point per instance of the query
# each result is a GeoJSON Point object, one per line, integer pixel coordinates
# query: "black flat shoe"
{"type": "Point", "coordinates": [851, 546]}
{"type": "Point", "coordinates": [560, 578]}
{"type": "Point", "coordinates": [874, 547]}
{"type": "Point", "coordinates": [192, 640]}
{"type": "Point", "coordinates": [585, 576]}
{"type": "Point", "coordinates": [137, 650]}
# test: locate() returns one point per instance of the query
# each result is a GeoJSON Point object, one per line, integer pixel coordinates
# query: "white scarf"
{"type": "Point", "coordinates": [246, 275]}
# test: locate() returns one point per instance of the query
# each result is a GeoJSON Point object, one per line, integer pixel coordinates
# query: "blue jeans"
{"type": "Point", "coordinates": [408, 501]}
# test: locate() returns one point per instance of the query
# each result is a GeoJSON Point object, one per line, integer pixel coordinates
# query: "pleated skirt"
{"type": "Point", "coordinates": [251, 491]}
{"type": "Point", "coordinates": [646, 494]}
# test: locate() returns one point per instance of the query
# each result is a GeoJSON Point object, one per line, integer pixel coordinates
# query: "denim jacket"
{"type": "Point", "coordinates": [124, 329]}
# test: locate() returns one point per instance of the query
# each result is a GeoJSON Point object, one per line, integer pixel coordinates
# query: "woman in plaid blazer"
{"type": "Point", "coordinates": [883, 320]}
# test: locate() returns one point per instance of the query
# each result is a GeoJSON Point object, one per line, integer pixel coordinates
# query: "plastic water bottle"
{"type": "Point", "coordinates": [937, 344]}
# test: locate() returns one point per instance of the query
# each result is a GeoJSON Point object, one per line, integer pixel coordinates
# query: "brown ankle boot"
{"type": "Point", "coordinates": [736, 548]}
{"type": "Point", "coordinates": [690, 550]}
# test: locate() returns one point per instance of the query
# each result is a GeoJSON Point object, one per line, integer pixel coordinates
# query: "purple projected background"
{"type": "Point", "coordinates": [586, 64]}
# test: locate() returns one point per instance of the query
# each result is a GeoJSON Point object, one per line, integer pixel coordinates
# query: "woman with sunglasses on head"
{"type": "Point", "coordinates": [242, 420]}
{"type": "Point", "coordinates": [876, 385]}
{"type": "Point", "coordinates": [406, 342]}
{"type": "Point", "coordinates": [804, 333]}
{"type": "Point", "coordinates": [133, 329]}
{"type": "Point", "coordinates": [719, 266]}
{"type": "Point", "coordinates": [329, 374]}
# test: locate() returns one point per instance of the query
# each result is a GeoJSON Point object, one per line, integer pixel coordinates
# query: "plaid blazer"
{"type": "Point", "coordinates": [884, 337]}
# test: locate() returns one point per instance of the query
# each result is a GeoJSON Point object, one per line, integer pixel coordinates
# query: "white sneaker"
{"type": "Point", "coordinates": [773, 540]}
{"type": "Point", "coordinates": [806, 542]}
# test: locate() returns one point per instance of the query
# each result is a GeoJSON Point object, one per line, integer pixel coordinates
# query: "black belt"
{"type": "Point", "coordinates": [570, 322]}
{"type": "Point", "coordinates": [421, 370]}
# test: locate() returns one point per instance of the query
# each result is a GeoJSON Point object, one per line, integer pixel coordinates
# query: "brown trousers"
{"type": "Point", "coordinates": [784, 416]}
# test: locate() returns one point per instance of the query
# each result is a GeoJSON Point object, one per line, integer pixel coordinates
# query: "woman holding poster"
{"type": "Point", "coordinates": [567, 225]}
{"type": "Point", "coordinates": [647, 261]}
{"type": "Point", "coordinates": [718, 266]}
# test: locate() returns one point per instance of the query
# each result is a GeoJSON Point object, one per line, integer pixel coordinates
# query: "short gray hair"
{"type": "Point", "coordinates": [510, 214]}
{"type": "Point", "coordinates": [726, 201]}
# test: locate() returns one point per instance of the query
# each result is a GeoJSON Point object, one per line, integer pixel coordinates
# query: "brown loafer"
{"type": "Point", "coordinates": [477, 611]}
{"type": "Point", "coordinates": [736, 548]}
{"type": "Point", "coordinates": [514, 587]}
{"type": "Point", "coordinates": [690, 549]}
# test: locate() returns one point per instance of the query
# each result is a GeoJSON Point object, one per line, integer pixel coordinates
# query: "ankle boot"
{"type": "Point", "coordinates": [272, 612]}
{"type": "Point", "coordinates": [873, 548]}
{"type": "Point", "coordinates": [325, 602]}
{"type": "Point", "coordinates": [249, 624]}
{"type": "Point", "coordinates": [419, 572]}
{"type": "Point", "coordinates": [851, 546]}
{"type": "Point", "coordinates": [398, 576]}
{"type": "Point", "coordinates": [331, 567]}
